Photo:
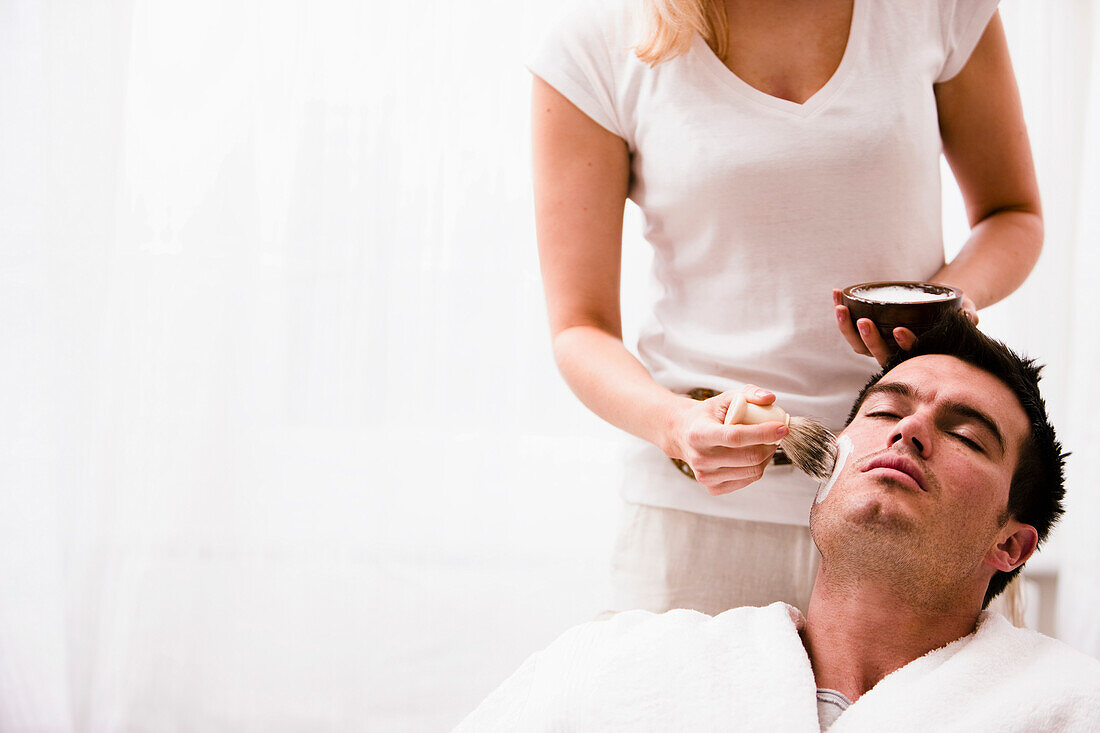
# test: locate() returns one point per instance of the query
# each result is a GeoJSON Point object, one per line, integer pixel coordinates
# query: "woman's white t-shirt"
{"type": "Point", "coordinates": [757, 207]}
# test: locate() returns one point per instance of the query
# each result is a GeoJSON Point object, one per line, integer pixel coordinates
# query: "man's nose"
{"type": "Point", "coordinates": [915, 432]}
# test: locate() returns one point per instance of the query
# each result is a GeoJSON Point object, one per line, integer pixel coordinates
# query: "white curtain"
{"type": "Point", "coordinates": [284, 447]}
{"type": "Point", "coordinates": [1051, 317]}
{"type": "Point", "coordinates": [1078, 580]}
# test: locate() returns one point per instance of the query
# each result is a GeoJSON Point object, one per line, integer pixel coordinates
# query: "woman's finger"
{"type": "Point", "coordinates": [753, 455]}
{"type": "Point", "coordinates": [757, 395]}
{"type": "Point", "coordinates": [905, 337]}
{"type": "Point", "coordinates": [730, 480]}
{"type": "Point", "coordinates": [873, 340]}
{"type": "Point", "coordinates": [851, 335]}
{"type": "Point", "coordinates": [970, 309]}
{"type": "Point", "coordinates": [744, 436]}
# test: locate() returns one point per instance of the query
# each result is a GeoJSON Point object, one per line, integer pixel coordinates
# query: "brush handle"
{"type": "Point", "coordinates": [743, 412]}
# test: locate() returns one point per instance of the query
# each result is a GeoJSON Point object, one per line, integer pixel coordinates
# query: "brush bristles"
{"type": "Point", "coordinates": [811, 447]}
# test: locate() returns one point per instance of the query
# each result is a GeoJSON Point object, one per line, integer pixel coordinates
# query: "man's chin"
{"type": "Point", "coordinates": [854, 521]}
{"type": "Point", "coordinates": [878, 512]}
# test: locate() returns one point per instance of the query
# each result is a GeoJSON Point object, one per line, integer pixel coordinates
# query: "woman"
{"type": "Point", "coordinates": [778, 150]}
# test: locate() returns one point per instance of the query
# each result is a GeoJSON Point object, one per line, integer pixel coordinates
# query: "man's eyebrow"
{"type": "Point", "coordinates": [898, 388]}
{"type": "Point", "coordinates": [961, 409]}
{"type": "Point", "coordinates": [972, 413]}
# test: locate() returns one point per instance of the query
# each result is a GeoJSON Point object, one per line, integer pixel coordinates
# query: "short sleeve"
{"type": "Point", "coordinates": [579, 59]}
{"type": "Point", "coordinates": [962, 23]}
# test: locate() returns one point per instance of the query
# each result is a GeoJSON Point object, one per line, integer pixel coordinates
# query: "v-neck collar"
{"type": "Point", "coordinates": [818, 100]}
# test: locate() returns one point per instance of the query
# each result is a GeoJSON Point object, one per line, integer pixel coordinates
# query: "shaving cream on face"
{"type": "Point", "coordinates": [843, 450]}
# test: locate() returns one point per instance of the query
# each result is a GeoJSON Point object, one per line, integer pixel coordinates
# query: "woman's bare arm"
{"type": "Point", "coordinates": [582, 173]}
{"type": "Point", "coordinates": [985, 142]}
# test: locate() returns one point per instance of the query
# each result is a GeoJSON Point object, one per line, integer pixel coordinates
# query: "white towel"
{"type": "Point", "coordinates": [746, 670]}
{"type": "Point", "coordinates": [999, 678]}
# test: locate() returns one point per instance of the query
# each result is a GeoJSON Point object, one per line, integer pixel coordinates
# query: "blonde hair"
{"type": "Point", "coordinates": [672, 24]}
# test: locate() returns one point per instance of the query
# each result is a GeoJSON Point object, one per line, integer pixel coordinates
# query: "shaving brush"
{"type": "Point", "coordinates": [810, 445]}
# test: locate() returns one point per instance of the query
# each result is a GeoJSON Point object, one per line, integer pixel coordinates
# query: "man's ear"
{"type": "Point", "coordinates": [1015, 545]}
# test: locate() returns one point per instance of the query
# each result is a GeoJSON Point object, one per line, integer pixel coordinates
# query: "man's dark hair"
{"type": "Point", "coordinates": [1036, 493]}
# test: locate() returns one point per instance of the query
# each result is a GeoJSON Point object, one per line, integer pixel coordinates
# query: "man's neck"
{"type": "Point", "coordinates": [855, 636]}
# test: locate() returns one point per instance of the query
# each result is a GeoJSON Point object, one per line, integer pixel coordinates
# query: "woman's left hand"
{"type": "Point", "coordinates": [865, 339]}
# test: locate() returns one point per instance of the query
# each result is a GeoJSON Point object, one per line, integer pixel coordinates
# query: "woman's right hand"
{"type": "Point", "coordinates": [724, 458]}
{"type": "Point", "coordinates": [864, 338]}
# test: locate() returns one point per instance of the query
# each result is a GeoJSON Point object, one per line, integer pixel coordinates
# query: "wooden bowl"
{"type": "Point", "coordinates": [893, 303]}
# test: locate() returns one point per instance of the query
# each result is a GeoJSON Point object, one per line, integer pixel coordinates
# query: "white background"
{"type": "Point", "coordinates": [282, 446]}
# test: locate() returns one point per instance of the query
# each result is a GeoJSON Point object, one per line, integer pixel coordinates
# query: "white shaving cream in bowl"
{"type": "Point", "coordinates": [900, 294]}
{"type": "Point", "coordinates": [892, 303]}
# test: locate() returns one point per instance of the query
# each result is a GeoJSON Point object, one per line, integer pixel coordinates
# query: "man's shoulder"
{"type": "Point", "coordinates": [999, 678]}
{"type": "Point", "coordinates": [680, 670]}
{"type": "Point", "coordinates": [632, 640]}
{"type": "Point", "coordinates": [1043, 677]}
{"type": "Point", "coordinates": [1067, 665]}
{"type": "Point", "coordinates": [1013, 643]}
{"type": "Point", "coordinates": [640, 626]}
{"type": "Point", "coordinates": [666, 644]}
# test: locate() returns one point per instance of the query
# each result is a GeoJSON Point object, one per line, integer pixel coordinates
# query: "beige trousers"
{"type": "Point", "coordinates": [667, 558]}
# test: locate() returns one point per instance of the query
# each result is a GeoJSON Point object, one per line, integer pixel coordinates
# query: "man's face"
{"type": "Point", "coordinates": [934, 447]}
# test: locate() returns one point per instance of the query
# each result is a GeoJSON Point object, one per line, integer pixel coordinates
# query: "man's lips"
{"type": "Point", "coordinates": [900, 463]}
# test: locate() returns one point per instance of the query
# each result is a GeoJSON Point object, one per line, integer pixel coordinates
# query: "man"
{"type": "Point", "coordinates": [948, 477]}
